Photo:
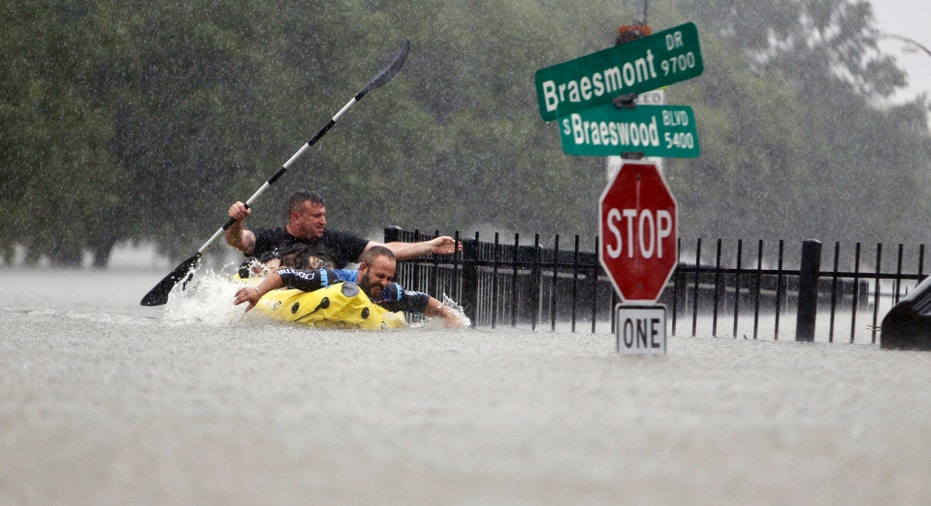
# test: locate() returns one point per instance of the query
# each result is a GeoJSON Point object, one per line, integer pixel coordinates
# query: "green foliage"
{"type": "Point", "coordinates": [795, 146]}
{"type": "Point", "coordinates": [133, 121]}
{"type": "Point", "coordinates": [59, 181]}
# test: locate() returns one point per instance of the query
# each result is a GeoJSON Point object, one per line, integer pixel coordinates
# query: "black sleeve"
{"type": "Point", "coordinates": [307, 281]}
{"type": "Point", "coordinates": [267, 241]}
{"type": "Point", "coordinates": [395, 298]}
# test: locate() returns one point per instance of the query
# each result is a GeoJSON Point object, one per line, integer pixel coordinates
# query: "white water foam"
{"type": "Point", "coordinates": [206, 298]}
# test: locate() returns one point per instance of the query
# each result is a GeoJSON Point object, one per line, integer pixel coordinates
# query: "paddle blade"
{"type": "Point", "coordinates": [389, 71]}
{"type": "Point", "coordinates": [159, 295]}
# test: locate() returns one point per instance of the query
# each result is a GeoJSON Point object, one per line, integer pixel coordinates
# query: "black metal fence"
{"type": "Point", "coordinates": [758, 294]}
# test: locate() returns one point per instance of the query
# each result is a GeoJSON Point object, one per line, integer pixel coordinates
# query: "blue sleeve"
{"type": "Point", "coordinates": [347, 274]}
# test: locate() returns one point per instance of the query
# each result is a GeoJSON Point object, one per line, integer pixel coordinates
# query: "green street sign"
{"type": "Point", "coordinates": [654, 130]}
{"type": "Point", "coordinates": [641, 65]}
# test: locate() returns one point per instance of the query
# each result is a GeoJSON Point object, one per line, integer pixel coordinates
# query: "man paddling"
{"type": "Point", "coordinates": [307, 226]}
{"type": "Point", "coordinates": [374, 276]}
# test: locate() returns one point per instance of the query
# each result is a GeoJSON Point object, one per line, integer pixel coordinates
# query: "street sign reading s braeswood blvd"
{"type": "Point", "coordinates": [654, 130]}
{"type": "Point", "coordinates": [640, 65]}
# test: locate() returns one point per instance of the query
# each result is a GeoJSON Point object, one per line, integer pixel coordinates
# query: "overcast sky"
{"type": "Point", "coordinates": [908, 18]}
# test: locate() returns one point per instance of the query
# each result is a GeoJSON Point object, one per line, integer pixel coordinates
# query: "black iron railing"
{"type": "Point", "coordinates": [521, 284]}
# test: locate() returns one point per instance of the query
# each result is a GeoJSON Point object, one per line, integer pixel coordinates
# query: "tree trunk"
{"type": "Point", "coordinates": [102, 253]}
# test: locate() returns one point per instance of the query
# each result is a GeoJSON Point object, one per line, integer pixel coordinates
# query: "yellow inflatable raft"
{"type": "Point", "coordinates": [343, 306]}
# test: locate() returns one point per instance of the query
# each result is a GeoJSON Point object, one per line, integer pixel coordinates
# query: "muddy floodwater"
{"type": "Point", "coordinates": [103, 401]}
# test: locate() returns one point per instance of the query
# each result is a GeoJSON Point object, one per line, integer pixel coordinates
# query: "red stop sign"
{"type": "Point", "coordinates": [638, 231]}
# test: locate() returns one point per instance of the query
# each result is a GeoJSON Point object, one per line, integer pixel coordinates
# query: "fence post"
{"type": "Point", "coordinates": [470, 256]}
{"type": "Point", "coordinates": [392, 233]}
{"type": "Point", "coordinates": [808, 290]}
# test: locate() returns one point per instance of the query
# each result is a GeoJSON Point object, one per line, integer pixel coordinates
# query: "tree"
{"type": "Point", "coordinates": [58, 179]}
{"type": "Point", "coordinates": [793, 133]}
{"type": "Point", "coordinates": [133, 122]}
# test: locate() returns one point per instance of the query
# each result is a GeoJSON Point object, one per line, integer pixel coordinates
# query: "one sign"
{"type": "Point", "coordinates": [654, 130]}
{"type": "Point", "coordinates": [640, 65]}
{"type": "Point", "coordinates": [640, 330]}
{"type": "Point", "coordinates": [638, 231]}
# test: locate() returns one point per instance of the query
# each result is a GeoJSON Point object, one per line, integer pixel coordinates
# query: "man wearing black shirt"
{"type": "Point", "coordinates": [306, 229]}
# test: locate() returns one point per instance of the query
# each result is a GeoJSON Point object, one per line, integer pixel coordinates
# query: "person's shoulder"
{"type": "Point", "coordinates": [350, 275]}
{"type": "Point", "coordinates": [340, 236]}
{"type": "Point", "coordinates": [269, 231]}
{"type": "Point", "coordinates": [337, 233]}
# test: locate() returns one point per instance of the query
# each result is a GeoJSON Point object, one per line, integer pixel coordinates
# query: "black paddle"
{"type": "Point", "coordinates": [159, 295]}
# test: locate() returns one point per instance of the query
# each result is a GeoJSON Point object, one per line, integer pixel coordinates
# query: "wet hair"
{"type": "Point", "coordinates": [374, 252]}
{"type": "Point", "coordinates": [298, 198]}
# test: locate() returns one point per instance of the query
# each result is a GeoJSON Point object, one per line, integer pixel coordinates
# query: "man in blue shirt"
{"type": "Point", "coordinates": [375, 277]}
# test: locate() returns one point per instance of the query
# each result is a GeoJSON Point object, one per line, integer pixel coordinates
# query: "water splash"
{"type": "Point", "coordinates": [207, 298]}
{"type": "Point", "coordinates": [453, 306]}
{"type": "Point", "coordinates": [457, 309]}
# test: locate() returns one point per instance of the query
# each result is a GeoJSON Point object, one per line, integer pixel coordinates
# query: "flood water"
{"type": "Point", "coordinates": [103, 401]}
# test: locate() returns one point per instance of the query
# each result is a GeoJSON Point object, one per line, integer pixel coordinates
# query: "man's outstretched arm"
{"type": "Point", "coordinates": [252, 294]}
{"type": "Point", "coordinates": [306, 280]}
{"type": "Point", "coordinates": [442, 245]}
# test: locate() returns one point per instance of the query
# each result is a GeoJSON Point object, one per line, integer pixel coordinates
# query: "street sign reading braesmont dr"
{"type": "Point", "coordinates": [640, 65]}
{"type": "Point", "coordinates": [654, 130]}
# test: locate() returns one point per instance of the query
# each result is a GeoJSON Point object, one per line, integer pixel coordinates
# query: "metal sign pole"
{"type": "Point", "coordinates": [642, 11]}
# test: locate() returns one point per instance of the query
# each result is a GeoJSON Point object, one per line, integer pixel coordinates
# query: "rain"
{"type": "Point", "coordinates": [150, 121]}
{"type": "Point", "coordinates": [127, 129]}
